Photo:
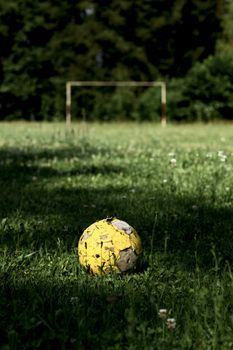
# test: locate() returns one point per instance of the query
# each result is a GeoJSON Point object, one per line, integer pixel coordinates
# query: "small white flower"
{"type": "Point", "coordinates": [162, 313]}
{"type": "Point", "coordinates": [173, 161]}
{"type": "Point", "coordinates": [164, 181]}
{"type": "Point", "coordinates": [227, 189]}
{"type": "Point", "coordinates": [209, 155]}
{"type": "Point", "coordinates": [171, 323]}
{"type": "Point", "coordinates": [89, 11]}
{"type": "Point", "coordinates": [220, 153]}
{"type": "Point", "coordinates": [223, 158]}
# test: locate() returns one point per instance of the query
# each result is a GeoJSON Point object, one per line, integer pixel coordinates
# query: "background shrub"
{"type": "Point", "coordinates": [206, 92]}
{"type": "Point", "coordinates": [148, 105]}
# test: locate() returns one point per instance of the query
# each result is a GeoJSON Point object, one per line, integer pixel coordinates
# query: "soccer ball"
{"type": "Point", "coordinates": [109, 245]}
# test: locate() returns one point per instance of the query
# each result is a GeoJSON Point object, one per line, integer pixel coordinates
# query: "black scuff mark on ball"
{"type": "Point", "coordinates": [109, 219]}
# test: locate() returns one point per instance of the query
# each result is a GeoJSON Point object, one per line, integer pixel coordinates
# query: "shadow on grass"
{"type": "Point", "coordinates": [42, 215]}
{"type": "Point", "coordinates": [88, 313]}
{"type": "Point", "coordinates": [83, 312]}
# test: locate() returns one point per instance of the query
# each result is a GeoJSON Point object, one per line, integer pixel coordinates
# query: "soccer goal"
{"type": "Point", "coordinates": [159, 84]}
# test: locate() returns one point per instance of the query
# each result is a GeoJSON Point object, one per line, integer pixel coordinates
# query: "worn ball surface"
{"type": "Point", "coordinates": [109, 245]}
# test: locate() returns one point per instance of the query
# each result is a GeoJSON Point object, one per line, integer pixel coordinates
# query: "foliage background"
{"type": "Point", "coordinates": [46, 43]}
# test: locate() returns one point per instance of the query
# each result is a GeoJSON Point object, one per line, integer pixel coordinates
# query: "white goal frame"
{"type": "Point", "coordinates": [161, 84]}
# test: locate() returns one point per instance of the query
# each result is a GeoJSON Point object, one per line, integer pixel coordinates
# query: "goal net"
{"type": "Point", "coordinates": [157, 84]}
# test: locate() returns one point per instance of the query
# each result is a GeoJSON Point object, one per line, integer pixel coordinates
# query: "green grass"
{"type": "Point", "coordinates": [55, 182]}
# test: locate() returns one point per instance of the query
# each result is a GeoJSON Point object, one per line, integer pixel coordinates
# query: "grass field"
{"type": "Point", "coordinates": [173, 185]}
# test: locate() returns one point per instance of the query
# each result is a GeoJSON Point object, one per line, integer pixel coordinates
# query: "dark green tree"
{"type": "Point", "coordinates": [225, 41]}
{"type": "Point", "coordinates": [27, 67]}
{"type": "Point", "coordinates": [46, 43]}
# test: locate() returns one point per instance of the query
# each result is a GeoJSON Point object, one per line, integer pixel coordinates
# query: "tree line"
{"type": "Point", "coordinates": [46, 43]}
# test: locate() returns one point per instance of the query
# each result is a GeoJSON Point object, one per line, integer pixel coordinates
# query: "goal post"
{"type": "Point", "coordinates": [160, 84]}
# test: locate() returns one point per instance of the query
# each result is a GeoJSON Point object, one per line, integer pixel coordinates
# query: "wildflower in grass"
{"type": "Point", "coordinates": [227, 189]}
{"type": "Point", "coordinates": [164, 181]}
{"type": "Point", "coordinates": [162, 313]}
{"type": "Point", "coordinates": [209, 155]}
{"type": "Point", "coordinates": [171, 324]}
{"type": "Point", "coordinates": [173, 161]}
{"type": "Point", "coordinates": [223, 158]}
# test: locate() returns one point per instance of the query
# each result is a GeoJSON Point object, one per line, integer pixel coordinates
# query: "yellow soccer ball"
{"type": "Point", "coordinates": [109, 245]}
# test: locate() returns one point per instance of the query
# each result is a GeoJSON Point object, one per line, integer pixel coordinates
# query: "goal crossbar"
{"type": "Point", "coordinates": [160, 84]}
